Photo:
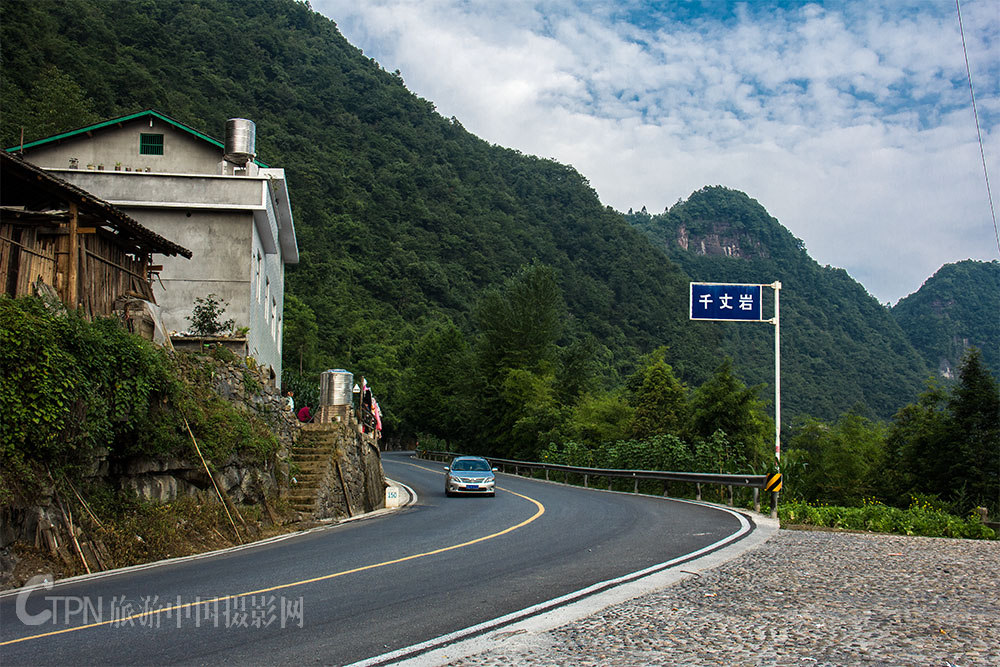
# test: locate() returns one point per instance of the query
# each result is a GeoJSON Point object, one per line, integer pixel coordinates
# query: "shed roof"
{"type": "Point", "coordinates": [19, 173]}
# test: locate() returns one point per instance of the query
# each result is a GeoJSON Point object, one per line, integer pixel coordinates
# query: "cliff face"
{"type": "Point", "coordinates": [721, 240]}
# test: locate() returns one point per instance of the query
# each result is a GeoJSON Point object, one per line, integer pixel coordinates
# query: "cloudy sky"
{"type": "Point", "coordinates": [851, 122]}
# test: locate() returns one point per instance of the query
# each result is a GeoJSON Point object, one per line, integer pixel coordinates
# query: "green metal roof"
{"type": "Point", "coordinates": [114, 121]}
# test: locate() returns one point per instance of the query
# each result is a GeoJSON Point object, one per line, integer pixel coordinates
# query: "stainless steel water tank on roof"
{"type": "Point", "coordinates": [241, 141]}
{"type": "Point", "coordinates": [335, 387]}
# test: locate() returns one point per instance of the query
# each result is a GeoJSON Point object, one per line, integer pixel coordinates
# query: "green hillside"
{"type": "Point", "coordinates": [839, 347]}
{"type": "Point", "coordinates": [958, 307]}
{"type": "Point", "coordinates": [403, 217]}
{"type": "Point", "coordinates": [406, 221]}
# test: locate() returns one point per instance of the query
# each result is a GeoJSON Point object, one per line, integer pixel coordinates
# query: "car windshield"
{"type": "Point", "coordinates": [466, 465]}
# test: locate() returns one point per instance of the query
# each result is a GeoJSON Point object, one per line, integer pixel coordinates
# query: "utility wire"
{"type": "Point", "coordinates": [975, 113]}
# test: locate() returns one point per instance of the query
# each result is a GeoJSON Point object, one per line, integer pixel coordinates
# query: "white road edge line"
{"type": "Point", "coordinates": [424, 652]}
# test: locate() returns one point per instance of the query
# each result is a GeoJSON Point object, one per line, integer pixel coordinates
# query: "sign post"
{"type": "Point", "coordinates": [727, 302]}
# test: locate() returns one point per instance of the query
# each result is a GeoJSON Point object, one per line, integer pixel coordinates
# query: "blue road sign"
{"type": "Point", "coordinates": [717, 301]}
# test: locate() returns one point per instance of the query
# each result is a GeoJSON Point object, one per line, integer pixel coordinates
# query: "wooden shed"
{"type": "Point", "coordinates": [88, 251]}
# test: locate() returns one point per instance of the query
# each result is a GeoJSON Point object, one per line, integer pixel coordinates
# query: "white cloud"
{"type": "Point", "coordinates": [850, 124]}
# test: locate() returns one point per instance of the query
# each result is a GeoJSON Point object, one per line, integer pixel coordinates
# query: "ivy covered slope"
{"type": "Point", "coordinates": [839, 347]}
{"type": "Point", "coordinates": [958, 307]}
{"type": "Point", "coordinates": [73, 391]}
{"type": "Point", "coordinates": [402, 216]}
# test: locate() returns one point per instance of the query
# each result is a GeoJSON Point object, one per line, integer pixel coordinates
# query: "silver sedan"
{"type": "Point", "coordinates": [470, 474]}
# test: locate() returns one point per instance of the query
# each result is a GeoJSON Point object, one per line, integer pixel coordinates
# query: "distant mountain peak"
{"type": "Point", "coordinates": [955, 309]}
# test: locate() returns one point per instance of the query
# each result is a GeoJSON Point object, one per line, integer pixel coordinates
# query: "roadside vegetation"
{"type": "Point", "coordinates": [73, 391]}
{"type": "Point", "coordinates": [80, 398]}
{"type": "Point", "coordinates": [922, 517]}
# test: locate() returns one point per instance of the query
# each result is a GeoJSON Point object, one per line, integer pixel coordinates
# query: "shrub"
{"type": "Point", "coordinates": [921, 518]}
{"type": "Point", "coordinates": [205, 317]}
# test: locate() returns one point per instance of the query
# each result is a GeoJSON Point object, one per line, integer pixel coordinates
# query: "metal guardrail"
{"type": "Point", "coordinates": [756, 482]}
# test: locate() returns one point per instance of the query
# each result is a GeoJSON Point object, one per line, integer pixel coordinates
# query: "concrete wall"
{"type": "Point", "coordinates": [221, 242]}
{"type": "Point", "coordinates": [266, 297]}
{"type": "Point", "coordinates": [181, 153]}
{"type": "Point", "coordinates": [203, 191]}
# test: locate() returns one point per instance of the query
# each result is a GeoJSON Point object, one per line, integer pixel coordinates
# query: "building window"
{"type": "Point", "coordinates": [258, 277]}
{"type": "Point", "coordinates": [150, 144]}
{"type": "Point", "coordinates": [267, 296]}
{"type": "Point", "coordinates": [274, 319]}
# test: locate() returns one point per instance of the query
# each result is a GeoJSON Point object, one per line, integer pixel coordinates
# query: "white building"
{"type": "Point", "coordinates": [232, 211]}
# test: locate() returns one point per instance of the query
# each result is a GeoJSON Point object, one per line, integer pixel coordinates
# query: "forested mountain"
{"type": "Point", "coordinates": [402, 216]}
{"type": "Point", "coordinates": [408, 224]}
{"type": "Point", "coordinates": [839, 347]}
{"type": "Point", "coordinates": [958, 307]}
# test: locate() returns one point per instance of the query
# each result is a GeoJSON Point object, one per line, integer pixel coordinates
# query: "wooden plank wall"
{"type": "Point", "coordinates": [26, 256]}
{"type": "Point", "coordinates": [105, 271]}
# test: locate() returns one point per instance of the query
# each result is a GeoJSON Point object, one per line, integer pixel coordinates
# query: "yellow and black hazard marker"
{"type": "Point", "coordinates": [773, 482]}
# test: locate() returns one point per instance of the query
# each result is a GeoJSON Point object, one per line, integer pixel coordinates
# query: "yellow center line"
{"type": "Point", "coordinates": [540, 511]}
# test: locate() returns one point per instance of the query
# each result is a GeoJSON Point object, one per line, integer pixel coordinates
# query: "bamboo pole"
{"type": "Point", "coordinates": [68, 520]}
{"type": "Point", "coordinates": [211, 477]}
{"type": "Point", "coordinates": [343, 484]}
{"type": "Point", "coordinates": [83, 503]}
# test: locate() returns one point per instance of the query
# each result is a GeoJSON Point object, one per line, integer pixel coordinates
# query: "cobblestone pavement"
{"type": "Point", "coordinates": [802, 598]}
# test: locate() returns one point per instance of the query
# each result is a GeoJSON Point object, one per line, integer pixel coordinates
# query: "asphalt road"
{"type": "Point", "coordinates": [363, 588]}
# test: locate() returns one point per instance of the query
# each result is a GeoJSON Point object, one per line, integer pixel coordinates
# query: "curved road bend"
{"type": "Point", "coordinates": [366, 587]}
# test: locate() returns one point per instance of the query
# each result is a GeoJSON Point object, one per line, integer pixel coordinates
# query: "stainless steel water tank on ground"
{"type": "Point", "coordinates": [335, 387]}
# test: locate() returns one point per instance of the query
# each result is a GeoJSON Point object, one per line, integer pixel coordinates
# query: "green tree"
{"type": "Point", "coordinates": [520, 323]}
{"type": "Point", "coordinates": [974, 455]}
{"type": "Point", "coordinates": [440, 383]}
{"type": "Point", "coordinates": [54, 103]}
{"type": "Point", "coordinates": [659, 398]}
{"type": "Point", "coordinates": [533, 417]}
{"type": "Point", "coordinates": [205, 318]}
{"type": "Point", "coordinates": [837, 463]}
{"type": "Point", "coordinates": [724, 403]}
{"type": "Point", "coordinates": [300, 336]}
{"type": "Point", "coordinates": [518, 327]}
{"type": "Point", "coordinates": [599, 418]}
{"type": "Point", "coordinates": [947, 444]}
{"type": "Point", "coordinates": [918, 434]}
{"type": "Point", "coordinates": [581, 364]}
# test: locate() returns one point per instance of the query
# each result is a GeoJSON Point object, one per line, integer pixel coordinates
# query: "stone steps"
{"type": "Point", "coordinates": [305, 458]}
{"type": "Point", "coordinates": [312, 456]}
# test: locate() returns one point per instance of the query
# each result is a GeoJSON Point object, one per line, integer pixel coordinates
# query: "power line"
{"type": "Point", "coordinates": [975, 113]}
